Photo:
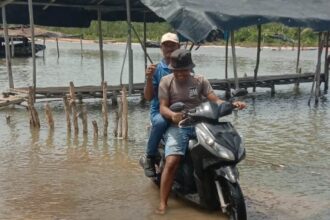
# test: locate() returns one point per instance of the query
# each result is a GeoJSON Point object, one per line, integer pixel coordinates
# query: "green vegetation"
{"type": "Point", "coordinates": [248, 36]}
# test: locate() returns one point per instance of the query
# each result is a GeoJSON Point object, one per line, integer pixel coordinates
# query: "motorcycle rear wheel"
{"type": "Point", "coordinates": [234, 198]}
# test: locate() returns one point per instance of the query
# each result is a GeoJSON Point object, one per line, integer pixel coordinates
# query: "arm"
{"type": "Point", "coordinates": [213, 98]}
{"type": "Point", "coordinates": [165, 111]}
{"type": "Point", "coordinates": [148, 88]}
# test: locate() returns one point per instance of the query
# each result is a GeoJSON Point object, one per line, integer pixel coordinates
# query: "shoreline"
{"type": "Point", "coordinates": [85, 41]}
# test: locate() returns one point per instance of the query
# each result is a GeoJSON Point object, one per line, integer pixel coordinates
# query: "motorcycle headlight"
{"type": "Point", "coordinates": [215, 148]}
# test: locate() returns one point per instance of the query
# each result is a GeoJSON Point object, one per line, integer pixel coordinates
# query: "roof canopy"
{"type": "Point", "coordinates": [75, 13]}
{"type": "Point", "coordinates": [195, 19]}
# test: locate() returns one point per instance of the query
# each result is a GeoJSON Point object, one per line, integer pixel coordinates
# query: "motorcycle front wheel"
{"type": "Point", "coordinates": [234, 199]}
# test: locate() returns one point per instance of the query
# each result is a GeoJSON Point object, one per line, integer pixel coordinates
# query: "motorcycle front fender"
{"type": "Point", "coordinates": [228, 172]}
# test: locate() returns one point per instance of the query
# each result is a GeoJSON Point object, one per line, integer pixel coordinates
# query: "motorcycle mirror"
{"type": "Point", "coordinates": [177, 107]}
{"type": "Point", "coordinates": [239, 92]}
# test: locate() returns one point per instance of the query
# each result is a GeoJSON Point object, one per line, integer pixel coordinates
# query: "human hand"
{"type": "Point", "coordinates": [150, 71]}
{"type": "Point", "coordinates": [177, 117]}
{"type": "Point", "coordinates": [240, 105]}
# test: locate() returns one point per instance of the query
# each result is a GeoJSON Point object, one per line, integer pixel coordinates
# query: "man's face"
{"type": "Point", "coordinates": [167, 48]}
{"type": "Point", "coordinates": [181, 75]}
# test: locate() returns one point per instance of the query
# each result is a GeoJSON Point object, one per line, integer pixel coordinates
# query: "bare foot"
{"type": "Point", "coordinates": [161, 210]}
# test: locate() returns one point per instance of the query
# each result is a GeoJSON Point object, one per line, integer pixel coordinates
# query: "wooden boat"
{"type": "Point", "coordinates": [22, 47]}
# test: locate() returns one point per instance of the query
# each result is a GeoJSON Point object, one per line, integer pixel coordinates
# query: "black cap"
{"type": "Point", "coordinates": [181, 60]}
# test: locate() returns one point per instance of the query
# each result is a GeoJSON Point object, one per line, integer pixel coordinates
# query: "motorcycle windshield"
{"type": "Point", "coordinates": [226, 135]}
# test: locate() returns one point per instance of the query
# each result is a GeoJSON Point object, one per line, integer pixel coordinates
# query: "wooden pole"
{"type": "Point", "coordinates": [258, 58]}
{"type": "Point", "coordinates": [8, 59]}
{"type": "Point", "coordinates": [115, 129]}
{"type": "Point", "coordinates": [326, 64]}
{"type": "Point", "coordinates": [105, 109]}
{"type": "Point", "coordinates": [130, 51]}
{"type": "Point", "coordinates": [232, 37]}
{"type": "Point", "coordinates": [298, 55]}
{"type": "Point", "coordinates": [145, 41]}
{"type": "Point", "coordinates": [120, 119]}
{"type": "Point", "coordinates": [84, 120]}
{"type": "Point", "coordinates": [318, 68]}
{"type": "Point", "coordinates": [33, 45]}
{"type": "Point", "coordinates": [67, 113]}
{"type": "Point", "coordinates": [226, 59]}
{"type": "Point", "coordinates": [99, 18]}
{"type": "Point", "coordinates": [34, 118]}
{"type": "Point", "coordinates": [74, 117]}
{"type": "Point", "coordinates": [125, 114]}
{"type": "Point", "coordinates": [57, 48]}
{"type": "Point", "coordinates": [49, 116]}
{"type": "Point", "coordinates": [81, 46]}
{"type": "Point", "coordinates": [12, 47]}
{"type": "Point", "coordinates": [44, 43]}
{"type": "Point", "coordinates": [95, 129]}
{"type": "Point", "coordinates": [72, 92]}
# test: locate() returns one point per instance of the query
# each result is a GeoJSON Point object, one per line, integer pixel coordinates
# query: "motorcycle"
{"type": "Point", "coordinates": [208, 175]}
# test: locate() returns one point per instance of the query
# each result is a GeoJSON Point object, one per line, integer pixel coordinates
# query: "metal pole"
{"type": "Point", "coordinates": [99, 18]}
{"type": "Point", "coordinates": [33, 46]}
{"type": "Point", "coordinates": [232, 37]}
{"type": "Point", "coordinates": [8, 59]}
{"type": "Point", "coordinates": [130, 52]}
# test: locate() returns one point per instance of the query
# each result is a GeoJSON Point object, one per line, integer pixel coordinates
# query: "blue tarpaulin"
{"type": "Point", "coordinates": [196, 19]}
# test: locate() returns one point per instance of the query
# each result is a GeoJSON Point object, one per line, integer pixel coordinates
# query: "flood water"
{"type": "Point", "coordinates": [52, 175]}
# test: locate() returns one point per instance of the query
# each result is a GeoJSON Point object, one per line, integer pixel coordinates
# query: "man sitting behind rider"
{"type": "Point", "coordinates": [181, 86]}
{"type": "Point", "coordinates": [169, 43]}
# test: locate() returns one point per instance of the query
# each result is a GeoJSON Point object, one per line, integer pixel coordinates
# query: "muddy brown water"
{"type": "Point", "coordinates": [52, 175]}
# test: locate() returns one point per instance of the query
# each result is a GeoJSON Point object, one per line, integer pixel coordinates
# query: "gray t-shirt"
{"type": "Point", "coordinates": [190, 92]}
